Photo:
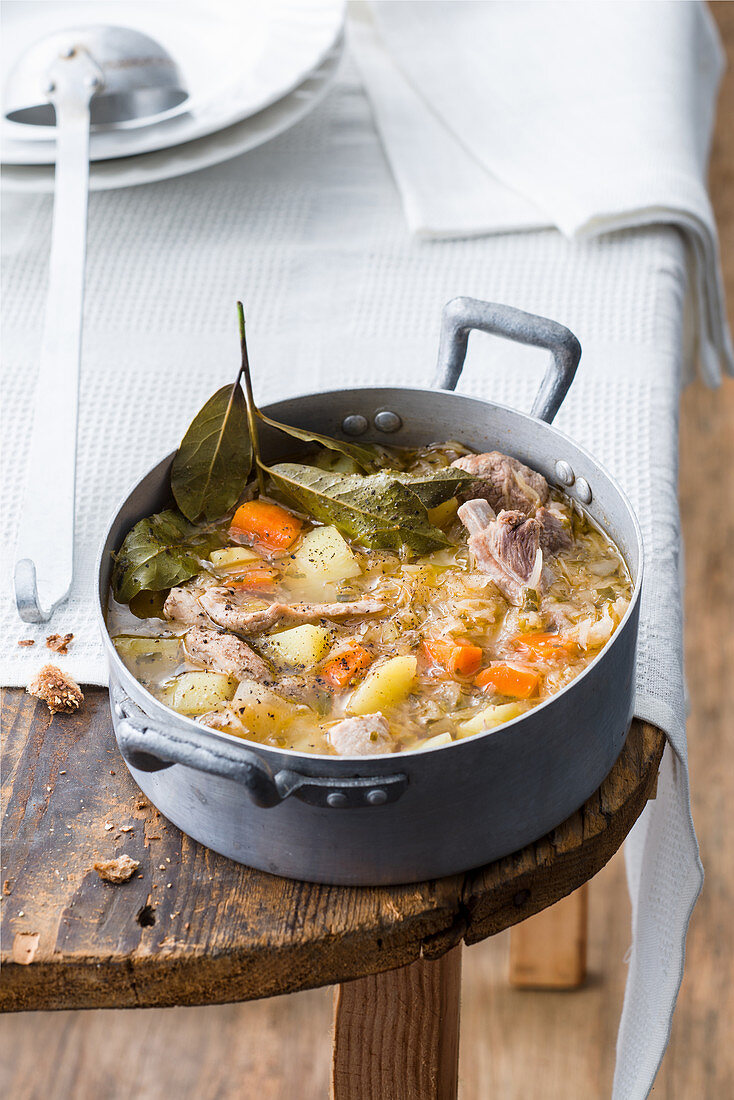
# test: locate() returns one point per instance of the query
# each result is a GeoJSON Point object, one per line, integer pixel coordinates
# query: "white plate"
{"type": "Point", "coordinates": [107, 175]}
{"type": "Point", "coordinates": [237, 56]}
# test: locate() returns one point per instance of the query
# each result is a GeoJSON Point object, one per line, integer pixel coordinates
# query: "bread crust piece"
{"type": "Point", "coordinates": [60, 693]}
{"type": "Point", "coordinates": [116, 870]}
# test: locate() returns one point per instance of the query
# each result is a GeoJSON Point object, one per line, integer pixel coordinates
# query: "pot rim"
{"type": "Point", "coordinates": [123, 672]}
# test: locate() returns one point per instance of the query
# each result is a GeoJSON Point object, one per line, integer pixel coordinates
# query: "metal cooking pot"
{"type": "Point", "coordinates": [403, 817]}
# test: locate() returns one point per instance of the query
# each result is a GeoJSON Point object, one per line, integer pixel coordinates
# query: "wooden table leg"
{"type": "Point", "coordinates": [548, 951]}
{"type": "Point", "coordinates": [396, 1035]}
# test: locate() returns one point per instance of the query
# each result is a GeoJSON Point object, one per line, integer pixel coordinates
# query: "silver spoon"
{"type": "Point", "coordinates": [87, 76]}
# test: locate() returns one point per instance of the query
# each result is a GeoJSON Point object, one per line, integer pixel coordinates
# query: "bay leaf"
{"type": "Point", "coordinates": [370, 456]}
{"type": "Point", "coordinates": [160, 552]}
{"type": "Point", "coordinates": [147, 604]}
{"type": "Point", "coordinates": [335, 463]}
{"type": "Point", "coordinates": [435, 486]}
{"type": "Point", "coordinates": [367, 457]}
{"type": "Point", "coordinates": [373, 509]}
{"type": "Point", "coordinates": [214, 460]}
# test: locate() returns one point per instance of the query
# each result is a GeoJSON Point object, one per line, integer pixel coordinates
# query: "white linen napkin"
{"type": "Point", "coordinates": [590, 117]}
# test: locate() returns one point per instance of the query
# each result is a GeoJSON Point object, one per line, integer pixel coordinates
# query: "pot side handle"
{"type": "Point", "coordinates": [461, 315]}
{"type": "Point", "coordinates": [145, 748]}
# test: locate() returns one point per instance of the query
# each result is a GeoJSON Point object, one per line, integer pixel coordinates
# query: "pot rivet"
{"type": "Point", "coordinates": [336, 799]}
{"type": "Point", "coordinates": [564, 473]}
{"type": "Point", "coordinates": [387, 421]}
{"type": "Point", "coordinates": [583, 490]}
{"type": "Point", "coordinates": [356, 424]}
{"type": "Point", "coordinates": [376, 797]}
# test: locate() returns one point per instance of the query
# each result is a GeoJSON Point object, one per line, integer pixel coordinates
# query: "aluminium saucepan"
{"type": "Point", "coordinates": [403, 817]}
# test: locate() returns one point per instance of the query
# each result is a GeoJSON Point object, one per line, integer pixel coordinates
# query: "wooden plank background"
{"type": "Point", "coordinates": [514, 1044]}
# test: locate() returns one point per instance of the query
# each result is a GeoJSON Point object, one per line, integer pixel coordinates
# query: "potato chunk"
{"type": "Point", "coordinates": [232, 557]}
{"type": "Point", "coordinates": [263, 712]}
{"type": "Point", "coordinates": [303, 646]}
{"type": "Point", "coordinates": [322, 560]}
{"type": "Point", "coordinates": [433, 742]}
{"type": "Point", "coordinates": [442, 514]}
{"type": "Point", "coordinates": [197, 692]}
{"type": "Point", "coordinates": [384, 686]}
{"type": "Point", "coordinates": [151, 660]}
{"type": "Point", "coordinates": [136, 647]}
{"type": "Point", "coordinates": [488, 718]}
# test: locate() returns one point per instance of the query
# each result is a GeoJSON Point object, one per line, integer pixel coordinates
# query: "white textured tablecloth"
{"type": "Point", "coordinates": [309, 232]}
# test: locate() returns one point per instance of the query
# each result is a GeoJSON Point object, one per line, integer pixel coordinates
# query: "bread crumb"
{"type": "Point", "coordinates": [25, 945]}
{"type": "Point", "coordinates": [117, 870]}
{"type": "Point", "coordinates": [59, 643]}
{"type": "Point", "coordinates": [26, 641]}
{"type": "Point", "coordinates": [7, 887]}
{"type": "Point", "coordinates": [57, 689]}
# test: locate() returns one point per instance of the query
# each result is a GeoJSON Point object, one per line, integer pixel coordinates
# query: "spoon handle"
{"type": "Point", "coordinates": [45, 547]}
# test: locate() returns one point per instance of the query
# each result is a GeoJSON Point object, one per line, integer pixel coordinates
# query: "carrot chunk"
{"type": "Point", "coordinates": [545, 647]}
{"type": "Point", "coordinates": [458, 658]}
{"type": "Point", "coordinates": [510, 680]}
{"type": "Point", "coordinates": [262, 523]}
{"type": "Point", "coordinates": [342, 668]}
{"type": "Point", "coordinates": [254, 579]}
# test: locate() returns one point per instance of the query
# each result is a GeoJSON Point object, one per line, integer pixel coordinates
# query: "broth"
{"type": "Point", "coordinates": [415, 650]}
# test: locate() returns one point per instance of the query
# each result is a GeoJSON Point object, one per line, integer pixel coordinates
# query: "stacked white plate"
{"type": "Point", "coordinates": [253, 69]}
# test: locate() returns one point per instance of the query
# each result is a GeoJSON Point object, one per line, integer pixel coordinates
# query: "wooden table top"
{"type": "Point", "coordinates": [191, 927]}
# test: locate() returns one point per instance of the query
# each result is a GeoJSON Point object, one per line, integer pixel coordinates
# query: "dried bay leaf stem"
{"type": "Point", "coordinates": [251, 410]}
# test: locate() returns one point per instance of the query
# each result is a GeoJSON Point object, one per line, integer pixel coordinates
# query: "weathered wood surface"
{"type": "Point", "coordinates": [194, 928]}
{"type": "Point", "coordinates": [396, 1034]}
{"type": "Point", "coordinates": [548, 951]}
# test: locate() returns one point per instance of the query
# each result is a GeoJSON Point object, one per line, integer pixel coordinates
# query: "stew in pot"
{"type": "Point", "coordinates": [341, 613]}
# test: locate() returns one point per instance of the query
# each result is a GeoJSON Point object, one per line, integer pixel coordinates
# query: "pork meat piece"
{"type": "Point", "coordinates": [554, 535]}
{"type": "Point", "coordinates": [476, 515]}
{"type": "Point", "coordinates": [226, 654]}
{"type": "Point", "coordinates": [222, 607]}
{"type": "Point", "coordinates": [504, 482]}
{"type": "Point", "coordinates": [182, 605]}
{"type": "Point", "coordinates": [515, 542]}
{"type": "Point", "coordinates": [225, 720]}
{"type": "Point", "coordinates": [505, 547]}
{"type": "Point", "coordinates": [363, 736]}
{"type": "Point", "coordinates": [231, 656]}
